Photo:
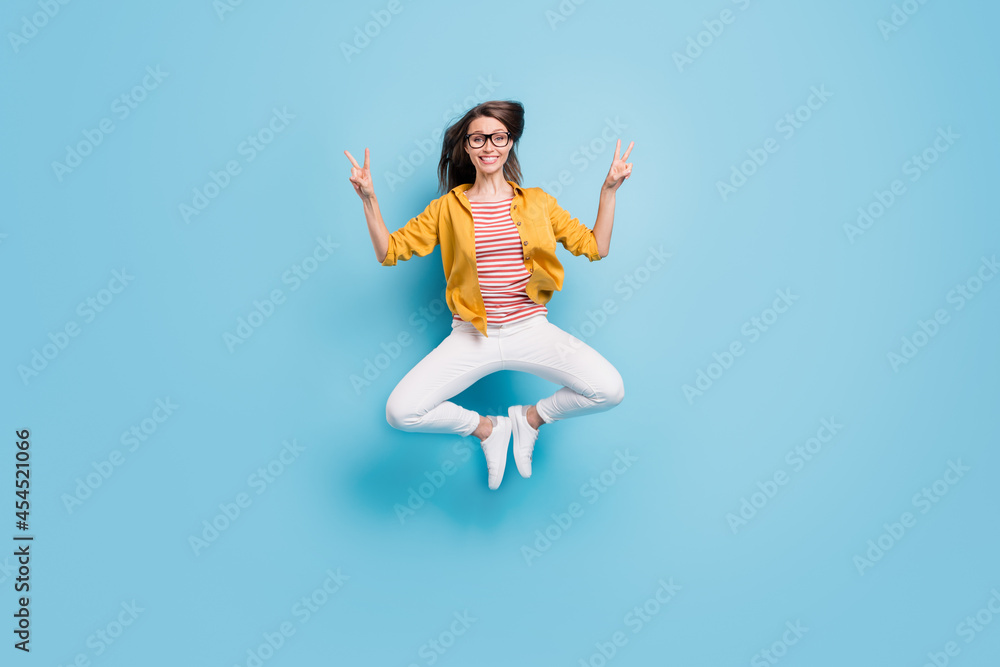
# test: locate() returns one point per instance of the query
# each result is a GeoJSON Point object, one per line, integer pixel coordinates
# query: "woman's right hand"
{"type": "Point", "coordinates": [361, 177]}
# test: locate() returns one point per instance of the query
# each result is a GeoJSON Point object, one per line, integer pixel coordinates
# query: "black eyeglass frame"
{"type": "Point", "coordinates": [489, 137]}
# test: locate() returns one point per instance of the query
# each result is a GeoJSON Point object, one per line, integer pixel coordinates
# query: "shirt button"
{"type": "Point", "coordinates": [525, 243]}
{"type": "Point", "coordinates": [518, 222]}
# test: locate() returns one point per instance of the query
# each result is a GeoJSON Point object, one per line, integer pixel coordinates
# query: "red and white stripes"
{"type": "Point", "coordinates": [500, 263]}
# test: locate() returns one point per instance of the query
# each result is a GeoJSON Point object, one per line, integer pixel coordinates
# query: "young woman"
{"type": "Point", "coordinates": [498, 247]}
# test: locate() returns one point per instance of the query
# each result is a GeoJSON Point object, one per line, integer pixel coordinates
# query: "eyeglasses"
{"type": "Point", "coordinates": [499, 139]}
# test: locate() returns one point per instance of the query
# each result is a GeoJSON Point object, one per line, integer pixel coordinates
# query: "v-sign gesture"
{"type": "Point", "coordinates": [361, 177]}
{"type": "Point", "coordinates": [620, 169]}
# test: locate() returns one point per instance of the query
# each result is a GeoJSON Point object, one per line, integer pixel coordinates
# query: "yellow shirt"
{"type": "Point", "coordinates": [448, 220]}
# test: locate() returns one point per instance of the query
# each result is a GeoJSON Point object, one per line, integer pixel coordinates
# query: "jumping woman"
{"type": "Point", "coordinates": [498, 247]}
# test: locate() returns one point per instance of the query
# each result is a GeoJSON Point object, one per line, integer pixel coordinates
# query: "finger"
{"type": "Point", "coordinates": [618, 146]}
{"type": "Point", "coordinates": [628, 150]}
{"type": "Point", "coordinates": [366, 157]}
{"type": "Point", "coordinates": [351, 158]}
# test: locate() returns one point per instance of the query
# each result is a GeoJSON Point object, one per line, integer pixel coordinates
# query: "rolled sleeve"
{"type": "Point", "coordinates": [573, 234]}
{"type": "Point", "coordinates": [418, 236]}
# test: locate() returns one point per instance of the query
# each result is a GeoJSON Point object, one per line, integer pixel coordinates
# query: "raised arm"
{"type": "Point", "coordinates": [361, 179]}
{"type": "Point", "coordinates": [620, 170]}
{"type": "Point", "coordinates": [419, 236]}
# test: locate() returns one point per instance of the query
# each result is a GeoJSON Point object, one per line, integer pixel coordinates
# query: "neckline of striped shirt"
{"type": "Point", "coordinates": [498, 201]}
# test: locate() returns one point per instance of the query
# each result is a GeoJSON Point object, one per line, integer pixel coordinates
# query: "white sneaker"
{"type": "Point", "coordinates": [495, 449]}
{"type": "Point", "coordinates": [524, 438]}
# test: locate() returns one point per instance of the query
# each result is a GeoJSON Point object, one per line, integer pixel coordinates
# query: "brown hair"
{"type": "Point", "coordinates": [455, 167]}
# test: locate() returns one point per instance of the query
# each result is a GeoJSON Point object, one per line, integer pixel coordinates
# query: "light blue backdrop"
{"type": "Point", "coordinates": [191, 287]}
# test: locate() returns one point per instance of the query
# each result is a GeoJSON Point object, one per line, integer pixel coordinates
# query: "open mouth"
{"type": "Point", "coordinates": [488, 159]}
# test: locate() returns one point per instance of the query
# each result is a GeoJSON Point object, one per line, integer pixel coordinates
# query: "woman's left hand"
{"type": "Point", "coordinates": [620, 169]}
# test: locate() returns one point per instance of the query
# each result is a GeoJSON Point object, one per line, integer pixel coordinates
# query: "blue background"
{"type": "Point", "coordinates": [336, 504]}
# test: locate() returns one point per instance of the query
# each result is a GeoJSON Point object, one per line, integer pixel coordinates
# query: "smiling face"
{"type": "Point", "coordinates": [487, 159]}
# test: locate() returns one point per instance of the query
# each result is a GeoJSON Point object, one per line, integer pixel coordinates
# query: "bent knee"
{"type": "Point", "coordinates": [614, 390]}
{"type": "Point", "coordinates": [398, 415]}
{"type": "Point", "coordinates": [617, 395]}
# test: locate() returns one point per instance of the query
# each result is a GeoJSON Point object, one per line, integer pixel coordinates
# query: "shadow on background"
{"type": "Point", "coordinates": [410, 469]}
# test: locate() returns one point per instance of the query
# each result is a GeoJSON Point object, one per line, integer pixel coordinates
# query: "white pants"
{"type": "Point", "coordinates": [533, 345]}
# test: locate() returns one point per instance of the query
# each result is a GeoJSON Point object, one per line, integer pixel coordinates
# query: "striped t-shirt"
{"type": "Point", "coordinates": [500, 263]}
